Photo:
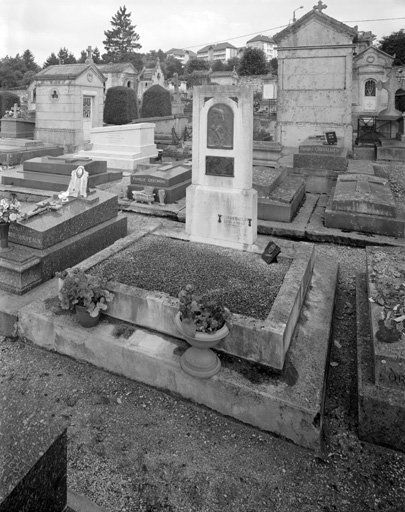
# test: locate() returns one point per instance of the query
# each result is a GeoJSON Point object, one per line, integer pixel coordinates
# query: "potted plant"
{"type": "Point", "coordinates": [86, 294]}
{"type": "Point", "coordinates": [9, 212]}
{"type": "Point", "coordinates": [203, 321]}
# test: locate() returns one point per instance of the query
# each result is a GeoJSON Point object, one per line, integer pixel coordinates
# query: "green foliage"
{"type": "Point", "coordinates": [85, 290]}
{"type": "Point", "coordinates": [274, 65]}
{"type": "Point", "coordinates": [202, 314]}
{"type": "Point", "coordinates": [64, 56]}
{"type": "Point", "coordinates": [196, 65]}
{"type": "Point", "coordinates": [121, 40]}
{"type": "Point", "coordinates": [17, 71]}
{"type": "Point", "coordinates": [95, 55]}
{"type": "Point", "coordinates": [121, 105]}
{"type": "Point", "coordinates": [171, 66]}
{"type": "Point", "coordinates": [156, 102]}
{"type": "Point", "coordinates": [394, 44]}
{"type": "Point", "coordinates": [253, 62]}
{"type": "Point", "coordinates": [7, 100]}
{"type": "Point", "coordinates": [218, 65]}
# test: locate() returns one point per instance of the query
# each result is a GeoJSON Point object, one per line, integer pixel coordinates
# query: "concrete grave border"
{"type": "Point", "coordinates": [265, 342]}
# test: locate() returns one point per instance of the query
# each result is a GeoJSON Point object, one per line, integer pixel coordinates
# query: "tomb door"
{"type": "Point", "coordinates": [87, 116]}
{"type": "Point", "coordinates": [370, 96]}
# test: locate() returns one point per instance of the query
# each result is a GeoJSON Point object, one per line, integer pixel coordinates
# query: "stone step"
{"type": "Point", "coordinates": [391, 150]}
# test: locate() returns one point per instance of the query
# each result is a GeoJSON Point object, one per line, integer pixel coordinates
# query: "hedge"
{"type": "Point", "coordinates": [121, 105]}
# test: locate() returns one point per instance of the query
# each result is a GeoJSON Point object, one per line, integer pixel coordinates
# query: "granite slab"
{"type": "Point", "coordinates": [163, 177]}
{"type": "Point", "coordinates": [77, 215]}
{"type": "Point", "coordinates": [64, 165]}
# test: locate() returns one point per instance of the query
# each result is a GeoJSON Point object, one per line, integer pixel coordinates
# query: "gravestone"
{"type": "Point", "coordinates": [221, 205]}
{"type": "Point", "coordinates": [56, 235]}
{"type": "Point", "coordinates": [54, 172]}
{"type": "Point", "coordinates": [364, 203]}
{"type": "Point", "coordinates": [122, 147]}
{"type": "Point", "coordinates": [173, 180]}
{"type": "Point", "coordinates": [315, 57]}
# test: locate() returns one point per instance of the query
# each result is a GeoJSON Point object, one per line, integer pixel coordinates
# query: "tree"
{"type": "Point", "coordinates": [30, 63]}
{"type": "Point", "coordinates": [274, 65]}
{"type": "Point", "coordinates": [394, 44]}
{"type": "Point", "coordinates": [218, 65]}
{"type": "Point", "coordinates": [172, 66]}
{"type": "Point", "coordinates": [253, 62]}
{"type": "Point", "coordinates": [52, 60]}
{"type": "Point", "coordinates": [121, 40]}
{"type": "Point", "coordinates": [196, 65]}
{"type": "Point", "coordinates": [232, 63]}
{"type": "Point", "coordinates": [95, 55]}
{"type": "Point", "coordinates": [66, 57]}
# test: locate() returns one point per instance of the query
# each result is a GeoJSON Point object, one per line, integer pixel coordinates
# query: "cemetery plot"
{"type": "Point", "coordinates": [263, 337]}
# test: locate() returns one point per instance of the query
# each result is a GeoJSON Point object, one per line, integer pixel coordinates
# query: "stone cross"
{"type": "Point", "coordinates": [391, 85]}
{"type": "Point", "coordinates": [89, 59]}
{"type": "Point", "coordinates": [320, 6]}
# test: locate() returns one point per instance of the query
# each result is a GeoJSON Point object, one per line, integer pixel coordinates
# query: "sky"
{"type": "Point", "coordinates": [45, 26]}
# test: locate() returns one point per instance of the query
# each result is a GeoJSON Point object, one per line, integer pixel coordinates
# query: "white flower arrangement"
{"type": "Point", "coordinates": [9, 209]}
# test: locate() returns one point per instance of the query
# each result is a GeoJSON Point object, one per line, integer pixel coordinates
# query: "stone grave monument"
{"type": "Point", "coordinates": [171, 179]}
{"type": "Point", "coordinates": [221, 205]}
{"type": "Point", "coordinates": [59, 233]}
{"type": "Point", "coordinates": [122, 147]}
{"type": "Point", "coordinates": [315, 56]}
{"type": "Point", "coordinates": [364, 203]}
{"type": "Point", "coordinates": [54, 173]}
{"type": "Point", "coordinates": [381, 347]}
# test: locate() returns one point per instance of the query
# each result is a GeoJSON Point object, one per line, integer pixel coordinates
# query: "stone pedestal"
{"type": "Point", "coordinates": [221, 205]}
{"type": "Point", "coordinates": [17, 128]}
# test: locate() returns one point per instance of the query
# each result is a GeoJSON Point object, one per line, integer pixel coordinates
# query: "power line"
{"type": "Point", "coordinates": [282, 26]}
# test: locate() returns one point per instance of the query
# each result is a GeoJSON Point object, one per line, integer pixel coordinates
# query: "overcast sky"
{"type": "Point", "coordinates": [45, 26]}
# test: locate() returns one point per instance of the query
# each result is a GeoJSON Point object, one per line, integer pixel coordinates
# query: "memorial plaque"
{"type": "Point", "coordinates": [220, 127]}
{"type": "Point", "coordinates": [219, 166]}
{"type": "Point", "coordinates": [331, 138]}
{"type": "Point", "coordinates": [271, 252]}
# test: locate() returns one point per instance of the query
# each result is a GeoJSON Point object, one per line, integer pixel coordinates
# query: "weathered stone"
{"type": "Point", "coordinates": [319, 146]}
{"type": "Point", "coordinates": [163, 177]}
{"type": "Point", "coordinates": [386, 288]}
{"type": "Point", "coordinates": [64, 165]}
{"type": "Point", "coordinates": [77, 215]}
{"type": "Point", "coordinates": [283, 202]}
{"type": "Point", "coordinates": [321, 161]}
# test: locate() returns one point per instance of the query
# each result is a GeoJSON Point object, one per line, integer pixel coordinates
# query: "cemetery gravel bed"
{"type": "Point", "coordinates": [247, 285]}
{"type": "Point", "coordinates": [133, 448]}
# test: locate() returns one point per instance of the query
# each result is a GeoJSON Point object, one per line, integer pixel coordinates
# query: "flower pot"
{"type": "Point", "coordinates": [4, 227]}
{"type": "Point", "coordinates": [199, 360]}
{"type": "Point", "coordinates": [84, 318]}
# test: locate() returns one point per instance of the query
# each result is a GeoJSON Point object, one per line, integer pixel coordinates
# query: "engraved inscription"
{"type": "Point", "coordinates": [233, 220]}
{"type": "Point", "coordinates": [220, 127]}
{"type": "Point", "coordinates": [219, 166]}
{"type": "Point", "coordinates": [392, 378]}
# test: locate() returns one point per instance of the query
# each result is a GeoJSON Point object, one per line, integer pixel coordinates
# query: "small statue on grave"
{"type": "Point", "coordinates": [162, 195]}
{"type": "Point", "coordinates": [78, 182]}
{"type": "Point", "coordinates": [391, 85]}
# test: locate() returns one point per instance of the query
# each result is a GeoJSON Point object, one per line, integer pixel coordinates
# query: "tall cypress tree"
{"type": "Point", "coordinates": [121, 40]}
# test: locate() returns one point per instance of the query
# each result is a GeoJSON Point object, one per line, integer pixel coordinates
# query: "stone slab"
{"type": "Point", "coordinates": [33, 459]}
{"type": "Point", "coordinates": [77, 215]}
{"type": "Point", "coordinates": [320, 147]}
{"type": "Point", "coordinates": [386, 287]}
{"type": "Point", "coordinates": [266, 179]}
{"type": "Point", "coordinates": [364, 223]}
{"type": "Point", "coordinates": [20, 270]}
{"type": "Point", "coordinates": [52, 182]}
{"type": "Point", "coordinates": [295, 399]}
{"type": "Point", "coordinates": [283, 202]}
{"type": "Point", "coordinates": [10, 156]}
{"type": "Point", "coordinates": [381, 411]}
{"type": "Point", "coordinates": [364, 194]}
{"type": "Point", "coordinates": [64, 165]}
{"type": "Point", "coordinates": [163, 177]}
{"type": "Point", "coordinates": [321, 161]}
{"type": "Point", "coordinates": [317, 181]}
{"type": "Point", "coordinates": [173, 193]}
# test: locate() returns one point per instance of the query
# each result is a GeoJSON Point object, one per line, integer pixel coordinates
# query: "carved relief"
{"type": "Point", "coordinates": [220, 127]}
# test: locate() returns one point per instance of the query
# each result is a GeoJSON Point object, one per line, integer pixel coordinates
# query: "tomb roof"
{"type": "Point", "coordinates": [322, 18]}
{"type": "Point", "coordinates": [67, 72]}
{"type": "Point", "coordinates": [117, 67]}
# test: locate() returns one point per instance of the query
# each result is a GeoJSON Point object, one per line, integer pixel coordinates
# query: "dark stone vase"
{"type": "Point", "coordinates": [4, 227]}
{"type": "Point", "coordinates": [84, 318]}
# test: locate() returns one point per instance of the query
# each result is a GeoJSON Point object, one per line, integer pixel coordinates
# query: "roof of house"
{"type": "Point", "coordinates": [264, 39]}
{"type": "Point", "coordinates": [66, 72]}
{"type": "Point", "coordinates": [177, 52]}
{"type": "Point", "coordinates": [116, 67]}
{"type": "Point", "coordinates": [219, 46]}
